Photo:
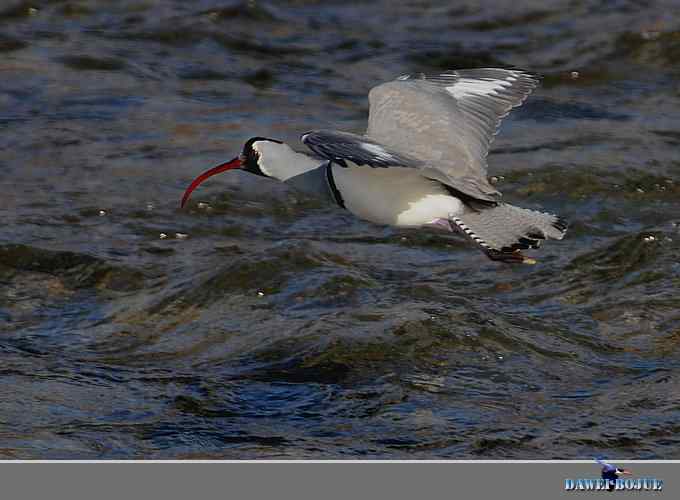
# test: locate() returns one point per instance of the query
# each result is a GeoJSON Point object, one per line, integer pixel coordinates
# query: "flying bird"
{"type": "Point", "coordinates": [421, 162]}
{"type": "Point", "coordinates": [611, 472]}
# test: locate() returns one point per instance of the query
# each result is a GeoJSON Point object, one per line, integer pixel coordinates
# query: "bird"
{"type": "Point", "coordinates": [611, 473]}
{"type": "Point", "coordinates": [422, 161]}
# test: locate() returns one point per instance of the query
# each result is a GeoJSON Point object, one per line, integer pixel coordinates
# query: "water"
{"type": "Point", "coordinates": [261, 324]}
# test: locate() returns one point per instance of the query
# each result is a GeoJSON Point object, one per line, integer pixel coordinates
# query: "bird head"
{"type": "Point", "coordinates": [260, 156]}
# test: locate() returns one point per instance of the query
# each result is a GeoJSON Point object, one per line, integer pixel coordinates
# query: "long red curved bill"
{"type": "Point", "coordinates": [230, 165]}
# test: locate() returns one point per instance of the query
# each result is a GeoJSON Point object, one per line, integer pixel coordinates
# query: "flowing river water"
{"type": "Point", "coordinates": [258, 323]}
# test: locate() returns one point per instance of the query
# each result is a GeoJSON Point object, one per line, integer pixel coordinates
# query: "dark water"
{"type": "Point", "coordinates": [267, 326]}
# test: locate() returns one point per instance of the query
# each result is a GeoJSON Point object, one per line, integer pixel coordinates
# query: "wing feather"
{"type": "Point", "coordinates": [344, 146]}
{"type": "Point", "coordinates": [442, 124]}
{"type": "Point", "coordinates": [464, 107]}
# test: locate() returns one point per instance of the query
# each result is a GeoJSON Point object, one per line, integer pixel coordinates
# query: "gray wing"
{"type": "Point", "coordinates": [343, 146]}
{"type": "Point", "coordinates": [606, 466]}
{"type": "Point", "coordinates": [448, 120]}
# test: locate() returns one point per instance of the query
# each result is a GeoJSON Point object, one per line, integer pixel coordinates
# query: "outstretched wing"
{"type": "Point", "coordinates": [606, 467]}
{"type": "Point", "coordinates": [341, 147]}
{"type": "Point", "coordinates": [447, 120]}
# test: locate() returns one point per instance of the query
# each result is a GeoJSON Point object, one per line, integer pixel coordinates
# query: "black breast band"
{"type": "Point", "coordinates": [332, 186]}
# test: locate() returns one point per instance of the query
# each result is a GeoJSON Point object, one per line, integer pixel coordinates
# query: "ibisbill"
{"type": "Point", "coordinates": [421, 162]}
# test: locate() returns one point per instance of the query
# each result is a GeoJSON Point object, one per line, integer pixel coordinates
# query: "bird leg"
{"type": "Point", "coordinates": [514, 257]}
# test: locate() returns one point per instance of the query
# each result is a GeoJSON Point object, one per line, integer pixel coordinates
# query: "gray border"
{"type": "Point", "coordinates": [346, 480]}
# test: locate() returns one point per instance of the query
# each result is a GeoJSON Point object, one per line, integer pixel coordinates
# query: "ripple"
{"type": "Point", "coordinates": [267, 325]}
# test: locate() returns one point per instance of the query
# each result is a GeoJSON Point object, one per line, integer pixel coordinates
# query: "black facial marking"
{"type": "Point", "coordinates": [251, 158]}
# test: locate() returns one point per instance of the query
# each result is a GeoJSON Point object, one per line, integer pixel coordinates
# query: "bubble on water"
{"type": "Point", "coordinates": [202, 205]}
{"type": "Point", "coordinates": [574, 75]}
{"type": "Point", "coordinates": [260, 294]}
{"type": "Point", "coordinates": [149, 206]}
{"type": "Point", "coordinates": [102, 213]}
{"type": "Point", "coordinates": [639, 190]}
{"type": "Point", "coordinates": [181, 236]}
{"type": "Point", "coordinates": [649, 238]}
{"type": "Point", "coordinates": [163, 236]}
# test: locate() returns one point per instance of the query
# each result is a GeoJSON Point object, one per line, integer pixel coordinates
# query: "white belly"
{"type": "Point", "coordinates": [394, 196]}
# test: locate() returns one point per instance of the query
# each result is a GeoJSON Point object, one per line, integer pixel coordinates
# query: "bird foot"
{"type": "Point", "coordinates": [515, 257]}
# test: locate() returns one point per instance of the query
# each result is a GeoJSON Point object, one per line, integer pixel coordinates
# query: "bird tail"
{"type": "Point", "coordinates": [503, 230]}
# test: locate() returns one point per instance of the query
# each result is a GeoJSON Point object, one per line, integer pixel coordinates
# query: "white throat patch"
{"type": "Point", "coordinates": [280, 162]}
{"type": "Point", "coordinates": [262, 158]}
